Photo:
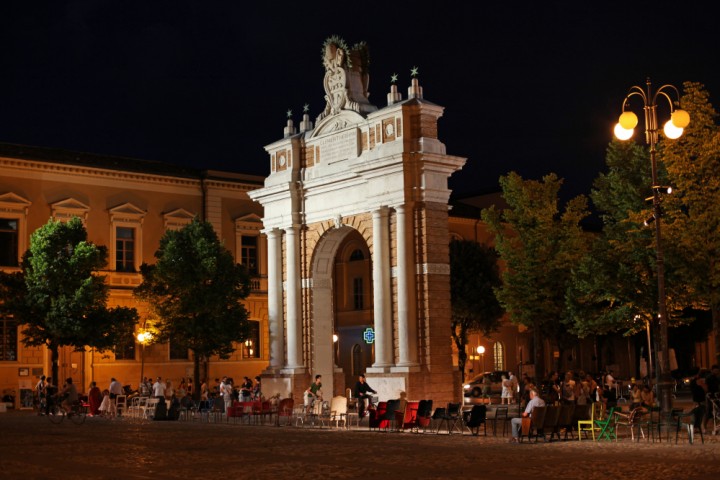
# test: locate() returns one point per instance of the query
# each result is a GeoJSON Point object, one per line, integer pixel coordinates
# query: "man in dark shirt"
{"type": "Point", "coordinates": [362, 391]}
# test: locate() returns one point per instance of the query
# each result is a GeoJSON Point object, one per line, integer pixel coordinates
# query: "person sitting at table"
{"type": "Point", "coordinates": [636, 396]}
{"type": "Point", "coordinates": [535, 401]}
{"type": "Point", "coordinates": [648, 397]}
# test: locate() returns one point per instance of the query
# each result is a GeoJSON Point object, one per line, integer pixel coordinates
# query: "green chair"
{"type": "Point", "coordinates": [607, 425]}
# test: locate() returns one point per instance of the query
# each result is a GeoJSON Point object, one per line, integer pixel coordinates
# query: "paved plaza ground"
{"type": "Point", "coordinates": [31, 447]}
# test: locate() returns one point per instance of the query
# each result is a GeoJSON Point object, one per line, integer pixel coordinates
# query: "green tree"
{"type": "Point", "coordinates": [610, 287]}
{"type": "Point", "coordinates": [540, 245]}
{"type": "Point", "coordinates": [474, 275]}
{"type": "Point", "coordinates": [58, 298]}
{"type": "Point", "coordinates": [693, 211]}
{"type": "Point", "coordinates": [195, 290]}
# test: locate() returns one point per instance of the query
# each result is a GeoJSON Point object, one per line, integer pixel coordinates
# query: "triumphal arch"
{"type": "Point", "coordinates": [356, 219]}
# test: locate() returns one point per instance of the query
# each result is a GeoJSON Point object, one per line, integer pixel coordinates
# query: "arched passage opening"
{"type": "Point", "coordinates": [342, 305]}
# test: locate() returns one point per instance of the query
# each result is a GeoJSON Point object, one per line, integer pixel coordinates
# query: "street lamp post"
{"type": "Point", "coordinates": [679, 119]}
{"type": "Point", "coordinates": [142, 338]}
{"type": "Point", "coordinates": [481, 351]}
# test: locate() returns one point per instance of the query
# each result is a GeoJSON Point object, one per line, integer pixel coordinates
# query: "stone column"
{"type": "Point", "coordinates": [275, 301]}
{"type": "Point", "coordinates": [294, 322]}
{"type": "Point", "coordinates": [407, 323]}
{"type": "Point", "coordinates": [381, 291]}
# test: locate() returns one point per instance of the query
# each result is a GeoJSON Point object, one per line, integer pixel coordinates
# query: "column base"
{"type": "Point", "coordinates": [378, 369]}
{"type": "Point", "coordinates": [293, 370]}
{"type": "Point", "coordinates": [407, 368]}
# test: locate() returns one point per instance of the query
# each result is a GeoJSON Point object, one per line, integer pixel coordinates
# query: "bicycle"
{"type": "Point", "coordinates": [77, 413]}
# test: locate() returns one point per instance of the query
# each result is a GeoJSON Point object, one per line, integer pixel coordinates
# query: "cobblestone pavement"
{"type": "Point", "coordinates": [32, 447]}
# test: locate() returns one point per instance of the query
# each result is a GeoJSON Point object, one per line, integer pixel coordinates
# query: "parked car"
{"type": "Point", "coordinates": [473, 387]}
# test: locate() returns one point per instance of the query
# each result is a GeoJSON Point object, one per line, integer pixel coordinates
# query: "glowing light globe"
{"type": "Point", "coordinates": [623, 133]}
{"type": "Point", "coordinates": [680, 118]}
{"type": "Point", "coordinates": [671, 131]}
{"type": "Point", "coordinates": [628, 120]}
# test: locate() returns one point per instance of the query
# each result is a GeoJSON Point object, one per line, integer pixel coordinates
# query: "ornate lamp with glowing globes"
{"type": "Point", "coordinates": [624, 130]}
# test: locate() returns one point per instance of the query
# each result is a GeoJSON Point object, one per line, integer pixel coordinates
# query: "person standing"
{"type": "Point", "coordinates": [40, 392]}
{"type": "Point", "coordinates": [362, 393]}
{"type": "Point", "coordinates": [257, 389]}
{"type": "Point", "coordinates": [246, 389]}
{"type": "Point", "coordinates": [227, 393]}
{"type": "Point", "coordinates": [158, 389]}
{"type": "Point", "coordinates": [115, 389]}
{"type": "Point", "coordinates": [94, 399]}
{"type": "Point", "coordinates": [506, 395]}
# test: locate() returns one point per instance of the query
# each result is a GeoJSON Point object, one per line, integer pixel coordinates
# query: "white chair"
{"type": "Point", "coordinates": [338, 410]}
{"type": "Point", "coordinates": [149, 410]}
{"type": "Point", "coordinates": [137, 407]}
{"type": "Point", "coordinates": [121, 404]}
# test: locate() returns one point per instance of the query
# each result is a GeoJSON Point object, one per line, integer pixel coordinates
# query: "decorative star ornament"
{"type": "Point", "coordinates": [306, 108]}
{"type": "Point", "coordinates": [289, 113]}
{"type": "Point", "coordinates": [393, 78]}
{"type": "Point", "coordinates": [414, 72]}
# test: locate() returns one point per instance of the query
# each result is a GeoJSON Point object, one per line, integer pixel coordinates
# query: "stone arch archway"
{"type": "Point", "coordinates": [322, 315]}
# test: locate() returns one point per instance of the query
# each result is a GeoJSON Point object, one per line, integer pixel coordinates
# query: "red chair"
{"type": "Point", "coordinates": [377, 417]}
{"type": "Point", "coordinates": [408, 417]}
{"type": "Point", "coordinates": [285, 410]}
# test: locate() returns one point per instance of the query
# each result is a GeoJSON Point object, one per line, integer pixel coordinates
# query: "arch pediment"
{"type": "Point", "coordinates": [127, 212]}
{"type": "Point", "coordinates": [178, 218]}
{"type": "Point", "coordinates": [68, 208]}
{"type": "Point", "coordinates": [335, 123]}
{"type": "Point", "coordinates": [12, 202]}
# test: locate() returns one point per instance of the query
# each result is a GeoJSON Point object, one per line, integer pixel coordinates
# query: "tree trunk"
{"type": "Point", "coordinates": [54, 365]}
{"type": "Point", "coordinates": [196, 378]}
{"type": "Point", "coordinates": [715, 310]}
{"type": "Point", "coordinates": [538, 347]}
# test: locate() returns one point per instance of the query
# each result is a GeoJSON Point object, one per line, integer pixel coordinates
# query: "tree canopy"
{"type": "Point", "coordinates": [195, 290]}
{"type": "Point", "coordinates": [693, 211]}
{"type": "Point", "coordinates": [539, 244]}
{"type": "Point", "coordinates": [474, 276]}
{"type": "Point", "coordinates": [57, 296]}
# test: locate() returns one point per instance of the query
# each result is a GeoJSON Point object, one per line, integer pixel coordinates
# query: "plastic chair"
{"type": "Point", "coordinates": [121, 404]}
{"type": "Point", "coordinates": [476, 418]}
{"type": "Point", "coordinates": [534, 422]}
{"type": "Point", "coordinates": [692, 422]}
{"type": "Point", "coordinates": [500, 414]}
{"type": "Point", "coordinates": [423, 417]}
{"type": "Point", "coordinates": [550, 423]}
{"type": "Point", "coordinates": [607, 425]}
{"type": "Point", "coordinates": [451, 418]}
{"type": "Point", "coordinates": [565, 421]}
{"type": "Point", "coordinates": [596, 413]}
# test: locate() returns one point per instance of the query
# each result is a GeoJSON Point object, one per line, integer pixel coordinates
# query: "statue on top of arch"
{"type": "Point", "coordinates": [346, 77]}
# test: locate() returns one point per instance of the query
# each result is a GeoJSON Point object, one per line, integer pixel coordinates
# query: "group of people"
{"type": "Point", "coordinates": [246, 391]}
{"type": "Point", "coordinates": [48, 394]}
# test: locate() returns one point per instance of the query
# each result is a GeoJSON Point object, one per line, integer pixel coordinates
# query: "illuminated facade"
{"type": "Point", "coordinates": [126, 205]}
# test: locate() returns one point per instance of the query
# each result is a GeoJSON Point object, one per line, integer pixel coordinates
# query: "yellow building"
{"type": "Point", "coordinates": [126, 205]}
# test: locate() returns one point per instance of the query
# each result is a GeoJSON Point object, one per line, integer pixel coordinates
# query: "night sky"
{"type": "Point", "coordinates": [534, 88]}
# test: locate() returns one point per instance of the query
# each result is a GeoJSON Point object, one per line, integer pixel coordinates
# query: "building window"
{"type": "Point", "coordinates": [126, 237]}
{"type": "Point", "coordinates": [499, 356]}
{"type": "Point", "coordinates": [251, 346]}
{"type": "Point", "coordinates": [357, 255]}
{"type": "Point", "coordinates": [248, 253]}
{"type": "Point", "coordinates": [126, 349]}
{"type": "Point", "coordinates": [9, 242]}
{"type": "Point", "coordinates": [8, 339]}
{"type": "Point", "coordinates": [358, 293]}
{"type": "Point", "coordinates": [358, 366]}
{"type": "Point", "coordinates": [179, 351]}
{"type": "Point", "coordinates": [125, 249]}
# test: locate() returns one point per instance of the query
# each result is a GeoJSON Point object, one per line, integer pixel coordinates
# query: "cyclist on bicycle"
{"type": "Point", "coordinates": [69, 394]}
